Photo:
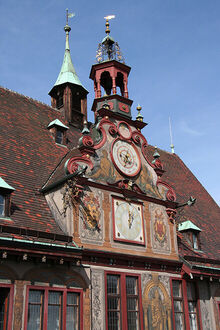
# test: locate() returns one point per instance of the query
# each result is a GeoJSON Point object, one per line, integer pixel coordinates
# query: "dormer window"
{"type": "Point", "coordinates": [59, 136]}
{"type": "Point", "coordinates": [58, 131]}
{"type": "Point", "coordinates": [2, 205]}
{"type": "Point", "coordinates": [191, 233]}
{"type": "Point", "coordinates": [5, 198]}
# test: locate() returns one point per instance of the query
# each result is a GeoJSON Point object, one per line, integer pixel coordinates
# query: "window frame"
{"type": "Point", "coordinates": [185, 302]}
{"type": "Point", "coordinates": [7, 202]}
{"type": "Point", "coordinates": [10, 306]}
{"type": "Point", "coordinates": [123, 298]}
{"type": "Point", "coordinates": [64, 291]}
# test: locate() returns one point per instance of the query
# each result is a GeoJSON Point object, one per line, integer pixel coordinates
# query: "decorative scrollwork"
{"type": "Point", "coordinates": [112, 130]}
{"type": "Point", "coordinates": [87, 141]}
{"type": "Point", "coordinates": [170, 195]}
{"type": "Point", "coordinates": [72, 163]}
{"type": "Point", "coordinates": [72, 167]}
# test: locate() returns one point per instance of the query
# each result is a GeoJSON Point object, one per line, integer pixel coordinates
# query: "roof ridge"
{"type": "Point", "coordinates": [187, 169]}
{"type": "Point", "coordinates": [28, 97]}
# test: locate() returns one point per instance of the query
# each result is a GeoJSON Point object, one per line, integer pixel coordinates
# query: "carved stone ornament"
{"type": "Point", "coordinates": [97, 300]}
{"type": "Point", "coordinates": [171, 214]}
{"type": "Point", "coordinates": [72, 193]}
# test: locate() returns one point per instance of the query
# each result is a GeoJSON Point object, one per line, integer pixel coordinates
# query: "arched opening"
{"type": "Point", "coordinates": [106, 82]}
{"type": "Point", "coordinates": [120, 82]}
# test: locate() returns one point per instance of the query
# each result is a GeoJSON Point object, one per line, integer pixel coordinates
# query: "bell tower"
{"type": "Point", "coordinates": [68, 94]}
{"type": "Point", "coordinates": [110, 76]}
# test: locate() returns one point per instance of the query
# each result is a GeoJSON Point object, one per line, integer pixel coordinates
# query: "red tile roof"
{"type": "Point", "coordinates": [28, 157]}
{"type": "Point", "coordinates": [205, 213]}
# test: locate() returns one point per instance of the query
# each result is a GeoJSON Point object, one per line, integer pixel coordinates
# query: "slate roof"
{"type": "Point", "coordinates": [29, 156]}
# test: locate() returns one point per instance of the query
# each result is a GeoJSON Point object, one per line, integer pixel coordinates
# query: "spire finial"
{"type": "Point", "coordinates": [171, 138]}
{"type": "Point", "coordinates": [139, 115]}
{"type": "Point", "coordinates": [107, 18]}
{"type": "Point", "coordinates": [67, 28]}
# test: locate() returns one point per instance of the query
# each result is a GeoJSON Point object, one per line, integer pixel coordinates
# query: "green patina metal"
{"type": "Point", "coordinates": [67, 73]}
{"type": "Point", "coordinates": [187, 225]}
{"type": "Point", "coordinates": [5, 185]}
{"type": "Point", "coordinates": [57, 122]}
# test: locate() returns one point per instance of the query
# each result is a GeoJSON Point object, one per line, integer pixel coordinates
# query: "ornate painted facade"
{"type": "Point", "coordinates": [96, 230]}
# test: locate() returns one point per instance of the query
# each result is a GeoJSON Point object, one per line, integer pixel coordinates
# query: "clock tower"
{"type": "Point", "coordinates": [110, 76]}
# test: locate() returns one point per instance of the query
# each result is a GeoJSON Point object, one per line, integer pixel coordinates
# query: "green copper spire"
{"type": "Point", "coordinates": [67, 73]}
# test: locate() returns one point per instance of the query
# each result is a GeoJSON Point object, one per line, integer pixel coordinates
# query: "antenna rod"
{"type": "Point", "coordinates": [171, 137]}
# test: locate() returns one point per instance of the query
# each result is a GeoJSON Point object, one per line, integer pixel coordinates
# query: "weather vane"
{"type": "Point", "coordinates": [107, 18]}
{"type": "Point", "coordinates": [69, 15]}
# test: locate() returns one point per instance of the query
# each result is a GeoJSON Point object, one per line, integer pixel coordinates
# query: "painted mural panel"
{"type": "Point", "coordinates": [91, 217]}
{"type": "Point", "coordinates": [98, 306]}
{"type": "Point", "coordinates": [156, 304]}
{"type": "Point", "coordinates": [160, 233]}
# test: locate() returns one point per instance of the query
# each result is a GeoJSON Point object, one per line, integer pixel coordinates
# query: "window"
{"type": "Point", "coordinates": [178, 307]}
{"type": "Point", "coordinates": [185, 305]}
{"type": "Point", "coordinates": [59, 136]}
{"type": "Point", "coordinates": [195, 241]}
{"type": "Point", "coordinates": [192, 305]}
{"type": "Point", "coordinates": [5, 205]}
{"type": "Point", "coordinates": [123, 302]}
{"type": "Point", "coordinates": [53, 309]}
{"type": "Point", "coordinates": [59, 100]}
{"type": "Point", "coordinates": [2, 205]}
{"type": "Point", "coordinates": [5, 307]}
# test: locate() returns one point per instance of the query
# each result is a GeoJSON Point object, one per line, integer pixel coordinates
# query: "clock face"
{"type": "Point", "coordinates": [124, 130]}
{"type": "Point", "coordinates": [125, 158]}
{"type": "Point", "coordinates": [128, 222]}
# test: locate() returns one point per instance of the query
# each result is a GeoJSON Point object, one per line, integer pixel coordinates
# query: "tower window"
{"type": "Point", "coordinates": [59, 100]}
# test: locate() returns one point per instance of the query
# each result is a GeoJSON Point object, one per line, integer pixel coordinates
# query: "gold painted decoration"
{"type": "Point", "coordinates": [159, 227]}
{"type": "Point", "coordinates": [156, 305]}
{"type": "Point", "coordinates": [91, 212]}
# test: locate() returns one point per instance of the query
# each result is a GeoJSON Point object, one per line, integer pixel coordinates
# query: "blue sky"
{"type": "Point", "coordinates": [172, 47]}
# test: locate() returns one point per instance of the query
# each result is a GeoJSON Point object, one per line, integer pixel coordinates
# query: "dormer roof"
{"type": "Point", "coordinates": [5, 185]}
{"type": "Point", "coordinates": [58, 123]}
{"type": "Point", "coordinates": [188, 225]}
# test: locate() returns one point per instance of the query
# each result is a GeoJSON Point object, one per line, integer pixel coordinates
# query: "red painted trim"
{"type": "Point", "coordinates": [10, 306]}
{"type": "Point", "coordinates": [123, 300]}
{"type": "Point", "coordinates": [168, 204]}
{"type": "Point", "coordinates": [218, 306]}
{"type": "Point", "coordinates": [46, 289]}
{"type": "Point", "coordinates": [185, 303]}
{"type": "Point", "coordinates": [114, 224]}
{"type": "Point", "coordinates": [198, 306]}
{"type": "Point", "coordinates": [171, 292]}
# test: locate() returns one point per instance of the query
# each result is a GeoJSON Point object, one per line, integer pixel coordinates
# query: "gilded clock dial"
{"type": "Point", "coordinates": [125, 157]}
{"type": "Point", "coordinates": [128, 221]}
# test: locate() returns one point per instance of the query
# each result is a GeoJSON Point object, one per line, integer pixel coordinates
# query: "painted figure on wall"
{"type": "Point", "coordinates": [157, 306]}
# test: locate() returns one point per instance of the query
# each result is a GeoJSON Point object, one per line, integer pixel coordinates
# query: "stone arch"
{"type": "Point", "coordinates": [120, 82]}
{"type": "Point", "coordinates": [58, 276]}
{"type": "Point", "coordinates": [156, 305]}
{"type": "Point", "coordinates": [106, 82]}
{"type": "Point", "coordinates": [8, 273]}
